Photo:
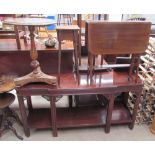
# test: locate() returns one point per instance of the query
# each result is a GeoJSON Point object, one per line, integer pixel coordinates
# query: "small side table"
{"type": "Point", "coordinates": [7, 116]}
{"type": "Point", "coordinates": [68, 32]}
{"type": "Point", "coordinates": [37, 75]}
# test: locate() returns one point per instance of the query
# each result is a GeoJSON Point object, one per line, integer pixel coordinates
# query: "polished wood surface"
{"type": "Point", "coordinates": [105, 82]}
{"type": "Point", "coordinates": [118, 37]}
{"type": "Point", "coordinates": [22, 59]}
{"type": "Point", "coordinates": [9, 46]}
{"type": "Point", "coordinates": [87, 116]}
{"type": "Point", "coordinates": [9, 54]}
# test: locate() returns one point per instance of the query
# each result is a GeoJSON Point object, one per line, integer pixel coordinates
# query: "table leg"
{"type": "Point", "coordinates": [109, 113]}
{"type": "Point", "coordinates": [70, 101]}
{"type": "Point", "coordinates": [75, 36]}
{"type": "Point", "coordinates": [53, 116]}
{"type": "Point", "coordinates": [29, 103]}
{"type": "Point", "coordinates": [23, 115]}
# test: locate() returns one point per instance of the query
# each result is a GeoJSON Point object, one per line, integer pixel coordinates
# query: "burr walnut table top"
{"type": "Point", "coordinates": [29, 21]}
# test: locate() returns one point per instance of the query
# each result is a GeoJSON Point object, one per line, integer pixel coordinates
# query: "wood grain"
{"type": "Point", "coordinates": [118, 37]}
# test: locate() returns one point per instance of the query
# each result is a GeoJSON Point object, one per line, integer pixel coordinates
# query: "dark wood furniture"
{"type": "Point", "coordinates": [109, 84]}
{"type": "Point", "coordinates": [9, 55]}
{"type": "Point", "coordinates": [116, 38]}
{"type": "Point", "coordinates": [68, 33]}
{"type": "Point", "coordinates": [37, 75]}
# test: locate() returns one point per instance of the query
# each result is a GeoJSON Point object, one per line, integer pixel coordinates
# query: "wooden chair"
{"type": "Point", "coordinates": [115, 38]}
{"type": "Point", "coordinates": [65, 19]}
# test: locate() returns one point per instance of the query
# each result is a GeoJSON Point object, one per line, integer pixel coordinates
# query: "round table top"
{"type": "Point", "coordinates": [29, 21]}
{"type": "Point", "coordinates": [6, 99]}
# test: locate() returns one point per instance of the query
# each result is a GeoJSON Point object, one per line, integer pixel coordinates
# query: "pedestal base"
{"type": "Point", "coordinates": [35, 77]}
{"type": "Point", "coordinates": [7, 115]}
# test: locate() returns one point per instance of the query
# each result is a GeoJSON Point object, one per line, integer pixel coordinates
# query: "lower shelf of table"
{"type": "Point", "coordinates": [78, 117]}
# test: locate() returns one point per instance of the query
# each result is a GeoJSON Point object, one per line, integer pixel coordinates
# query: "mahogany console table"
{"type": "Point", "coordinates": [37, 75]}
{"type": "Point", "coordinates": [108, 84]}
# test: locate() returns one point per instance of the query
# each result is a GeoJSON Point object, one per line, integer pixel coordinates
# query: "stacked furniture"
{"type": "Point", "coordinates": [109, 83]}
{"type": "Point", "coordinates": [106, 82]}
